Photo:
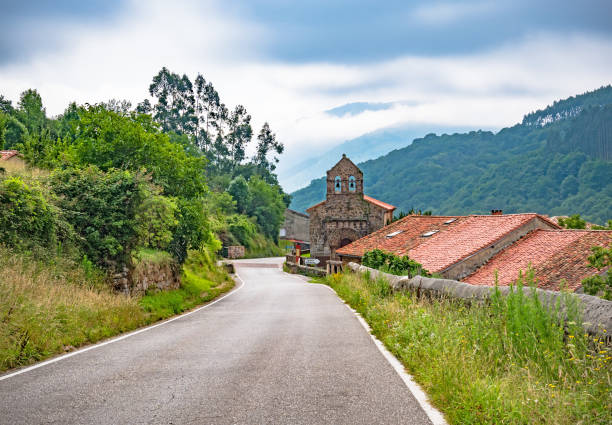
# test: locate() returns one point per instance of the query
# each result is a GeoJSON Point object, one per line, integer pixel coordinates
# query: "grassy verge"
{"type": "Point", "coordinates": [508, 362]}
{"type": "Point", "coordinates": [53, 306]}
{"type": "Point", "coordinates": [261, 247]}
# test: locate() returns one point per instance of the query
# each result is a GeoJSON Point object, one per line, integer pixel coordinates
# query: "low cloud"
{"type": "Point", "coordinates": [488, 89]}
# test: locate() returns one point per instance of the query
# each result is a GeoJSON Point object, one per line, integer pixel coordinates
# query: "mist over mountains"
{"type": "Point", "coordinates": [557, 161]}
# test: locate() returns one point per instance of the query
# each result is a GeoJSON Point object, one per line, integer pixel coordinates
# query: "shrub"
{"type": "Point", "coordinates": [102, 208]}
{"type": "Point", "coordinates": [156, 221]}
{"type": "Point", "coordinates": [391, 263]}
{"type": "Point", "coordinates": [25, 215]}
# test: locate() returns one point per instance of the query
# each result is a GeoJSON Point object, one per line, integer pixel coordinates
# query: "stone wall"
{"type": "Point", "coordinates": [345, 216]}
{"type": "Point", "coordinates": [234, 251]}
{"type": "Point", "coordinates": [148, 275]}
{"type": "Point", "coordinates": [596, 312]}
{"type": "Point", "coordinates": [296, 226]}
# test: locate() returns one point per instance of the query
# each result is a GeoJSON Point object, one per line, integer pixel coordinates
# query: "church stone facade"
{"type": "Point", "coordinates": [346, 214]}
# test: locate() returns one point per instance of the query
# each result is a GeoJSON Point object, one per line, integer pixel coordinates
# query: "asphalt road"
{"type": "Point", "coordinates": [277, 350]}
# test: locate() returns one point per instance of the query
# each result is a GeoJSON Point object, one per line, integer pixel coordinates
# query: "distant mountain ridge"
{"type": "Point", "coordinates": [368, 146]}
{"type": "Point", "coordinates": [557, 161]}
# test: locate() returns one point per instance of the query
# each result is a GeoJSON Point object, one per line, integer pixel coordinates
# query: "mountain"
{"type": "Point", "coordinates": [557, 161]}
{"type": "Point", "coordinates": [368, 146]}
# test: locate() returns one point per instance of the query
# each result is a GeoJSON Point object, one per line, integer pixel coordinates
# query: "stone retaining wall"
{"type": "Point", "coordinates": [309, 271]}
{"type": "Point", "coordinates": [596, 312]}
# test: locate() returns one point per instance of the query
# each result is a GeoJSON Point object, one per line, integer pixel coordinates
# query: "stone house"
{"type": "Point", "coordinates": [346, 214]}
{"type": "Point", "coordinates": [296, 227]}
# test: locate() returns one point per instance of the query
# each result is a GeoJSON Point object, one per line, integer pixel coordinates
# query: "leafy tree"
{"type": "Point", "coordinates": [239, 135]}
{"type": "Point", "coordinates": [267, 206]}
{"type": "Point", "coordinates": [193, 230]}
{"type": "Point", "coordinates": [25, 214]}
{"type": "Point", "coordinates": [111, 140]}
{"type": "Point", "coordinates": [175, 108]}
{"type": "Point", "coordinates": [31, 112]}
{"type": "Point", "coordinates": [102, 207]}
{"type": "Point", "coordinates": [572, 222]}
{"type": "Point", "coordinates": [239, 189]}
{"type": "Point", "coordinates": [208, 106]}
{"type": "Point", "coordinates": [600, 285]}
{"type": "Point", "coordinates": [156, 221]}
{"type": "Point", "coordinates": [267, 143]}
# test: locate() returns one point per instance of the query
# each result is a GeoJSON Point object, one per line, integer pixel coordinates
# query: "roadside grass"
{"type": "Point", "coordinates": [202, 281]}
{"type": "Point", "coordinates": [52, 306]}
{"type": "Point", "coordinates": [262, 247]}
{"type": "Point", "coordinates": [506, 362]}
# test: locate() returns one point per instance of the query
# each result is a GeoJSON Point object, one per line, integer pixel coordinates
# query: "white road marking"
{"type": "Point", "coordinates": [117, 339]}
{"type": "Point", "coordinates": [433, 414]}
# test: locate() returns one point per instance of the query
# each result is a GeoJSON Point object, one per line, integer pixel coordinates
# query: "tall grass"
{"type": "Point", "coordinates": [510, 361]}
{"type": "Point", "coordinates": [48, 308]}
{"type": "Point", "coordinates": [55, 305]}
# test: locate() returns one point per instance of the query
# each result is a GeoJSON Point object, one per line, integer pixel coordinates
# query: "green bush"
{"type": "Point", "coordinates": [102, 208]}
{"type": "Point", "coordinates": [391, 263]}
{"type": "Point", "coordinates": [25, 215]}
{"type": "Point", "coordinates": [156, 221]}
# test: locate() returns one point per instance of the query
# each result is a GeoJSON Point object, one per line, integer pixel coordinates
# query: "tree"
{"type": "Point", "coordinates": [239, 189]}
{"type": "Point", "coordinates": [31, 112]}
{"type": "Point", "coordinates": [267, 206]}
{"type": "Point", "coordinates": [266, 143]}
{"type": "Point", "coordinates": [598, 284]}
{"type": "Point", "coordinates": [208, 106]}
{"type": "Point", "coordinates": [175, 108]}
{"type": "Point", "coordinates": [239, 136]}
{"type": "Point", "coordinates": [111, 140]}
{"type": "Point", "coordinates": [572, 222]}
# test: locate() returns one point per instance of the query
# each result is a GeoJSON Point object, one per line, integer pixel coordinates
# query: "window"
{"type": "Point", "coordinates": [450, 221]}
{"type": "Point", "coordinates": [428, 234]}
{"type": "Point", "coordinates": [338, 184]}
{"type": "Point", "coordinates": [352, 184]}
{"type": "Point", "coordinates": [390, 235]}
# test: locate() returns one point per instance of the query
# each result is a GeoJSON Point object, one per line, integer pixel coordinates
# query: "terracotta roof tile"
{"type": "Point", "coordinates": [460, 238]}
{"type": "Point", "coordinates": [554, 255]}
{"type": "Point", "coordinates": [411, 228]}
{"type": "Point", "coordinates": [381, 204]}
{"type": "Point", "coordinates": [4, 155]}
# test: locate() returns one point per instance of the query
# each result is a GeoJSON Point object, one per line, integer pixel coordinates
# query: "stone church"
{"type": "Point", "coordinates": [346, 214]}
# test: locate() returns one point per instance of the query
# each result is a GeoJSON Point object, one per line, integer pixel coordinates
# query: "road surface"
{"type": "Point", "coordinates": [277, 350]}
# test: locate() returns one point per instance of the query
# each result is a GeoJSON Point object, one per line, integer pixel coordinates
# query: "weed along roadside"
{"type": "Point", "coordinates": [511, 360]}
{"type": "Point", "coordinates": [48, 309]}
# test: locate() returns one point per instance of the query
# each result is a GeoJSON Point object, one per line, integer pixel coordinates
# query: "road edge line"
{"type": "Point", "coordinates": [434, 415]}
{"type": "Point", "coordinates": [118, 338]}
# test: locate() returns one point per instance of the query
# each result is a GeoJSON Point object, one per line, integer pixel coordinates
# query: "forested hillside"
{"type": "Point", "coordinates": [558, 161]}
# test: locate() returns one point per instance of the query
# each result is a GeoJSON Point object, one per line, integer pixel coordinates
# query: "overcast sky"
{"type": "Point", "coordinates": [475, 63]}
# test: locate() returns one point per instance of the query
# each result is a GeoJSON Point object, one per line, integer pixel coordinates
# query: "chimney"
{"type": "Point", "coordinates": [496, 212]}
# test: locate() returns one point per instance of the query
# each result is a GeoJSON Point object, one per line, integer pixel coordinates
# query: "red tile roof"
{"type": "Point", "coordinates": [4, 155]}
{"type": "Point", "coordinates": [383, 205]}
{"type": "Point", "coordinates": [452, 242]}
{"type": "Point", "coordinates": [554, 255]}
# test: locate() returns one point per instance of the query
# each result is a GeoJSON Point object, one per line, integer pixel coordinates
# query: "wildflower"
{"type": "Point", "coordinates": [571, 336]}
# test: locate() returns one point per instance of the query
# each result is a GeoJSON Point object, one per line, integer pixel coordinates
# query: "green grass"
{"type": "Point", "coordinates": [201, 282]}
{"type": "Point", "coordinates": [507, 362]}
{"type": "Point", "coordinates": [152, 255]}
{"type": "Point", "coordinates": [261, 247]}
{"type": "Point", "coordinates": [55, 305]}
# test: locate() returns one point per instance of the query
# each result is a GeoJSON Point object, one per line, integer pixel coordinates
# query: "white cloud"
{"type": "Point", "coordinates": [444, 13]}
{"type": "Point", "coordinates": [487, 89]}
